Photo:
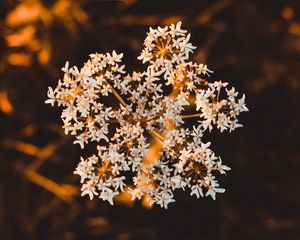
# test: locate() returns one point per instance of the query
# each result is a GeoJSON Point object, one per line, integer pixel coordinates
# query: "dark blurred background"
{"type": "Point", "coordinates": [253, 45]}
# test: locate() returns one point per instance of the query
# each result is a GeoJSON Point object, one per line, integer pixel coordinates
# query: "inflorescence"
{"type": "Point", "coordinates": [153, 106]}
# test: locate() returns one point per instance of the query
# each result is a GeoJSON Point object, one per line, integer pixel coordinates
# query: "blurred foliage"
{"type": "Point", "coordinates": [29, 26]}
{"type": "Point", "coordinates": [253, 44]}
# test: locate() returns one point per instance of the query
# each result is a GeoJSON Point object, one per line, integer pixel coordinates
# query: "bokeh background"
{"type": "Point", "coordinates": [252, 44]}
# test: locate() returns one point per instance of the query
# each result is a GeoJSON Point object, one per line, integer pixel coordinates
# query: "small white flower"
{"type": "Point", "coordinates": [51, 97]}
{"type": "Point", "coordinates": [89, 189]}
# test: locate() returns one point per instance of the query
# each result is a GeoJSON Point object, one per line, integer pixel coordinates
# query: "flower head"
{"type": "Point", "coordinates": [151, 106]}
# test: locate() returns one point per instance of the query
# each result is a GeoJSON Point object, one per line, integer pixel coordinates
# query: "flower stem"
{"type": "Point", "coordinates": [117, 95]}
{"type": "Point", "coordinates": [157, 135]}
{"type": "Point", "coordinates": [150, 118]}
{"type": "Point", "coordinates": [190, 115]}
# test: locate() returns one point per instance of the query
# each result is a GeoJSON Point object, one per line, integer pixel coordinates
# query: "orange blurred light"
{"type": "Point", "coordinates": [124, 198]}
{"type": "Point", "coordinates": [19, 59]}
{"type": "Point", "coordinates": [5, 105]}
{"type": "Point", "coordinates": [23, 14]}
{"type": "Point", "coordinates": [22, 37]}
{"type": "Point", "coordinates": [287, 13]}
{"type": "Point", "coordinates": [295, 29]}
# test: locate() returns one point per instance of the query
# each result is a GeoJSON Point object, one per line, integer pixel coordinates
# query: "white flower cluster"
{"type": "Point", "coordinates": [152, 106]}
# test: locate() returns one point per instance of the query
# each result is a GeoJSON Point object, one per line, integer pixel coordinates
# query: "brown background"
{"type": "Point", "coordinates": [254, 45]}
